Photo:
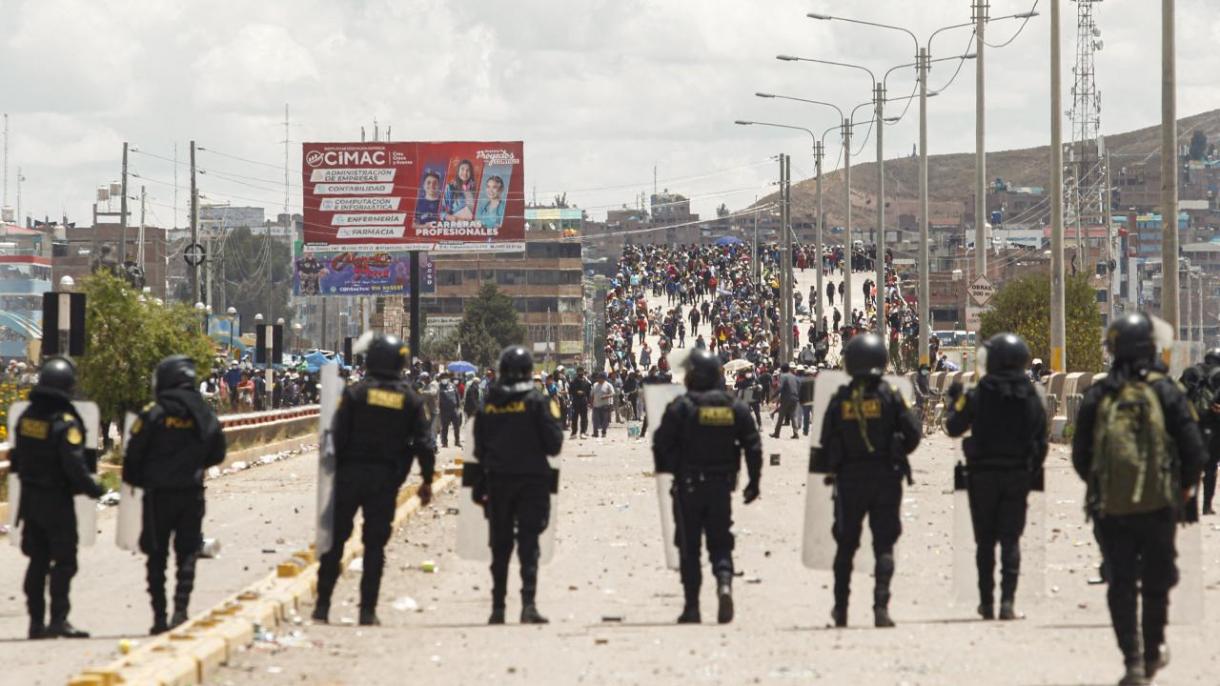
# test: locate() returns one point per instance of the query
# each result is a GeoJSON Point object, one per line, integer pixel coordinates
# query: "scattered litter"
{"type": "Point", "coordinates": [126, 645]}
{"type": "Point", "coordinates": [110, 499]}
{"type": "Point", "coordinates": [405, 604]}
{"type": "Point", "coordinates": [213, 472]}
{"type": "Point", "coordinates": [612, 618]}
{"type": "Point", "coordinates": [428, 566]}
{"type": "Point", "coordinates": [754, 580]}
{"type": "Point", "coordinates": [600, 641]}
{"type": "Point", "coordinates": [274, 669]}
{"type": "Point", "coordinates": [356, 565]}
{"type": "Point", "coordinates": [210, 548]}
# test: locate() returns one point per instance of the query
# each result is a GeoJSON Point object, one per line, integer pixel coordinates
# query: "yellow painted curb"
{"type": "Point", "coordinates": [193, 652]}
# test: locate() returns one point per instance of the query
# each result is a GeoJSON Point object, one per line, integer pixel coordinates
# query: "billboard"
{"type": "Point", "coordinates": [353, 273]}
{"type": "Point", "coordinates": [456, 196]}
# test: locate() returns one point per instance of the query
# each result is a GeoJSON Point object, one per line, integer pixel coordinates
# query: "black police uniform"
{"type": "Point", "coordinates": [1004, 456]}
{"type": "Point", "coordinates": [515, 431]}
{"type": "Point", "coordinates": [1139, 549]}
{"type": "Point", "coordinates": [173, 442]}
{"type": "Point", "coordinates": [379, 429]}
{"type": "Point", "coordinates": [579, 390]}
{"type": "Point", "coordinates": [49, 458]}
{"type": "Point", "coordinates": [867, 434]}
{"type": "Point", "coordinates": [700, 440]}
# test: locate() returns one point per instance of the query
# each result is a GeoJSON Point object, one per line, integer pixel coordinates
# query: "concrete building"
{"type": "Point", "coordinates": [23, 280]}
{"type": "Point", "coordinates": [80, 247]}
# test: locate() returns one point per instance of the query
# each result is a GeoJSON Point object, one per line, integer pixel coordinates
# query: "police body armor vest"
{"type": "Point", "coordinates": [39, 433]}
{"type": "Point", "coordinates": [709, 434]}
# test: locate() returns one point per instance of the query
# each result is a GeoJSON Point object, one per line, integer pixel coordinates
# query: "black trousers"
{"type": "Point", "coordinates": [580, 414]}
{"type": "Point", "coordinates": [997, 510]}
{"type": "Point", "coordinates": [703, 506]}
{"type": "Point", "coordinates": [49, 539]}
{"type": "Point", "coordinates": [787, 415]}
{"type": "Point", "coordinates": [177, 513]}
{"type": "Point", "coordinates": [451, 419]}
{"type": "Point", "coordinates": [1139, 552]}
{"type": "Point", "coordinates": [880, 500]}
{"type": "Point", "coordinates": [518, 511]}
{"type": "Point", "coordinates": [372, 488]}
{"type": "Point", "coordinates": [1209, 481]}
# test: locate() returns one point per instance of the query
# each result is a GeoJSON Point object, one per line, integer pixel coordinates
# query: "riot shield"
{"type": "Point", "coordinates": [965, 573]}
{"type": "Point", "coordinates": [818, 546]}
{"type": "Point", "coordinates": [131, 505]}
{"type": "Point", "coordinates": [329, 390]}
{"type": "Point", "coordinates": [86, 509]}
{"type": "Point", "coordinates": [1186, 599]}
{"type": "Point", "coordinates": [473, 535]}
{"type": "Point", "coordinates": [656, 398]}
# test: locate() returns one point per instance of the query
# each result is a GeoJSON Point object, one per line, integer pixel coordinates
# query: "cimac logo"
{"type": "Point", "coordinates": [340, 158]}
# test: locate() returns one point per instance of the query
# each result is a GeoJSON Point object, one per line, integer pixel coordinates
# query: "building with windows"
{"type": "Point", "coordinates": [23, 280]}
{"type": "Point", "coordinates": [545, 283]}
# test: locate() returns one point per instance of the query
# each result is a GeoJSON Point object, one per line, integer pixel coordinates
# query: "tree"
{"type": "Point", "coordinates": [246, 265]}
{"type": "Point", "coordinates": [489, 324]}
{"type": "Point", "coordinates": [126, 337]}
{"type": "Point", "coordinates": [1022, 306]}
{"type": "Point", "coordinates": [1198, 145]}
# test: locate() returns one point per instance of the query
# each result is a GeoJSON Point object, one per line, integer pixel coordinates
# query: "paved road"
{"type": "Point", "coordinates": [612, 602]}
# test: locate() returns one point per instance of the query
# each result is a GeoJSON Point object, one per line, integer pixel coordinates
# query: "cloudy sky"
{"type": "Point", "coordinates": [601, 91]}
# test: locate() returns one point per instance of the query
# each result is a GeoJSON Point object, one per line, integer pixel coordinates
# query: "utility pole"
{"type": "Point", "coordinates": [754, 258]}
{"type": "Point", "coordinates": [879, 244]}
{"type": "Point", "coordinates": [123, 211]}
{"type": "Point", "coordinates": [847, 244]}
{"type": "Point", "coordinates": [817, 235]}
{"type": "Point", "coordinates": [1169, 170]}
{"type": "Point", "coordinates": [194, 225]}
{"type": "Point", "coordinates": [1058, 320]}
{"type": "Point", "coordinates": [140, 237]}
{"type": "Point", "coordinates": [925, 323]}
{"type": "Point", "coordinates": [1112, 266]}
{"type": "Point", "coordinates": [1187, 319]}
{"type": "Point", "coordinates": [785, 310]}
{"type": "Point", "coordinates": [175, 185]}
{"type": "Point", "coordinates": [5, 201]}
{"type": "Point", "coordinates": [981, 9]}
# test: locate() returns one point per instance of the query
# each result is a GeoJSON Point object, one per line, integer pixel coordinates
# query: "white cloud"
{"type": "Point", "coordinates": [600, 90]}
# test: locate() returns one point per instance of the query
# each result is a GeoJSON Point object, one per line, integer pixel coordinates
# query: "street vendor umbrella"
{"type": "Point", "coordinates": [461, 367]}
{"type": "Point", "coordinates": [728, 240]}
{"type": "Point", "coordinates": [735, 366]}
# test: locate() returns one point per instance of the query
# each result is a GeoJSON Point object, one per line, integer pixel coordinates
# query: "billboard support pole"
{"type": "Point", "coordinates": [414, 339]}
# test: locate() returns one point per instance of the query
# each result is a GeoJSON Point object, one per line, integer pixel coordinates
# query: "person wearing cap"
{"type": "Point", "coordinates": [603, 402]}
{"type": "Point", "coordinates": [579, 390]}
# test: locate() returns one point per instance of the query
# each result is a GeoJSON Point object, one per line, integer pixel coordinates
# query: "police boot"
{"type": "Point", "coordinates": [497, 615]}
{"type": "Point", "coordinates": [838, 614]}
{"type": "Point", "coordinates": [529, 590]}
{"type": "Point", "coordinates": [690, 610]}
{"type": "Point", "coordinates": [180, 616]}
{"type": "Point", "coordinates": [1134, 676]}
{"type": "Point", "coordinates": [530, 614]}
{"type": "Point", "coordinates": [881, 592]}
{"type": "Point", "coordinates": [64, 629]}
{"type": "Point", "coordinates": [37, 630]}
{"type": "Point", "coordinates": [1157, 661]}
{"type": "Point", "coordinates": [724, 593]}
{"type": "Point", "coordinates": [321, 611]}
{"type": "Point", "coordinates": [368, 617]}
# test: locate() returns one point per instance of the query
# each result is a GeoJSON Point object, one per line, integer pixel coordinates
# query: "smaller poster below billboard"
{"type": "Point", "coordinates": [358, 272]}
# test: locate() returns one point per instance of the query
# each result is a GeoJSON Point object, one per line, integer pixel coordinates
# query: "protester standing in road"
{"type": "Point", "coordinates": [579, 390]}
{"type": "Point", "coordinates": [603, 401]}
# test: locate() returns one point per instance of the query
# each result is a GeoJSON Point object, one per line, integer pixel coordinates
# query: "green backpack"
{"type": "Point", "coordinates": [1134, 458]}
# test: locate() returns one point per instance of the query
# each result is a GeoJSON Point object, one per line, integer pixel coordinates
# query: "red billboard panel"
{"type": "Point", "coordinates": [458, 196]}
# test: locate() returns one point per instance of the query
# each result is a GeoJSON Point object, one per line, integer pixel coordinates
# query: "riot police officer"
{"type": "Point", "coordinates": [700, 440]}
{"type": "Point", "coordinates": [867, 434]}
{"type": "Point", "coordinates": [515, 431]}
{"type": "Point", "coordinates": [174, 440]}
{"type": "Point", "coordinates": [379, 429]}
{"type": "Point", "coordinates": [1137, 427]}
{"type": "Point", "coordinates": [1004, 456]}
{"type": "Point", "coordinates": [49, 458]}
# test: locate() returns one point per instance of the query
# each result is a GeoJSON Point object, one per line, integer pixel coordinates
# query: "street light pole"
{"type": "Point", "coordinates": [1058, 315]}
{"type": "Point", "coordinates": [925, 323]}
{"type": "Point", "coordinates": [879, 244]}
{"type": "Point", "coordinates": [981, 8]}
{"type": "Point", "coordinates": [1169, 169]}
{"type": "Point", "coordinates": [847, 242]}
{"type": "Point", "coordinates": [818, 153]}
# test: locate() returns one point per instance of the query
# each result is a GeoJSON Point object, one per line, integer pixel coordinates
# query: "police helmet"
{"type": "Point", "coordinates": [516, 365]}
{"type": "Point", "coordinates": [1213, 379]}
{"type": "Point", "coordinates": [175, 371]}
{"type": "Point", "coordinates": [1006, 352]}
{"type": "Point", "coordinates": [703, 370]}
{"type": "Point", "coordinates": [58, 373]}
{"type": "Point", "coordinates": [1212, 357]}
{"type": "Point", "coordinates": [1129, 338]}
{"type": "Point", "coordinates": [385, 356]}
{"type": "Point", "coordinates": [866, 355]}
{"type": "Point", "coordinates": [1192, 376]}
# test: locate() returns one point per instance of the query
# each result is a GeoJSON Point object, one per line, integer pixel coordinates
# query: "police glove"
{"type": "Point", "coordinates": [955, 390]}
{"type": "Point", "coordinates": [751, 492]}
{"type": "Point", "coordinates": [424, 493]}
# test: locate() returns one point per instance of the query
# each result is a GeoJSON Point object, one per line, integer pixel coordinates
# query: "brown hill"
{"type": "Point", "coordinates": [951, 177]}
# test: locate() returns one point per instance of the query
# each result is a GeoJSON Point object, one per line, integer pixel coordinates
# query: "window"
{"type": "Point", "coordinates": [543, 277]}
{"type": "Point", "coordinates": [448, 277]}
{"type": "Point", "coordinates": [571, 305]}
{"type": "Point", "coordinates": [510, 277]}
{"type": "Point", "coordinates": [471, 275]}
{"type": "Point", "coordinates": [569, 249]}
